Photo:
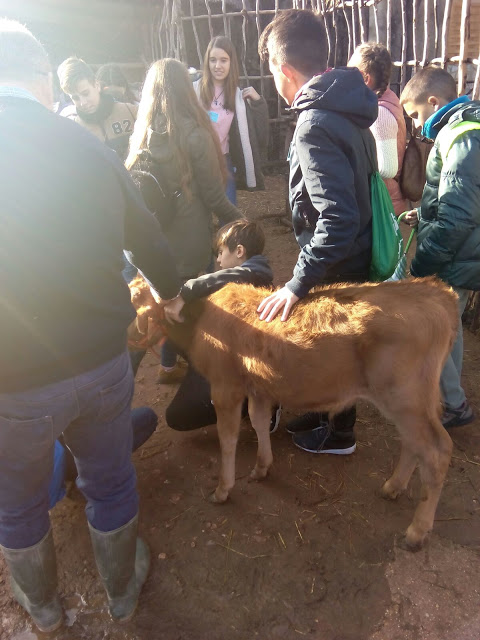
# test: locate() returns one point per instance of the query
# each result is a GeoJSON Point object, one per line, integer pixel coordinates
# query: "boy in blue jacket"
{"type": "Point", "coordinates": [448, 241]}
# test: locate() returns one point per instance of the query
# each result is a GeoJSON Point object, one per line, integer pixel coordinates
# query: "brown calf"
{"type": "Point", "coordinates": [385, 343]}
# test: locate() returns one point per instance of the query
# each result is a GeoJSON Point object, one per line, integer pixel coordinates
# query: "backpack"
{"type": "Point", "coordinates": [160, 200]}
{"type": "Point", "coordinates": [414, 168]}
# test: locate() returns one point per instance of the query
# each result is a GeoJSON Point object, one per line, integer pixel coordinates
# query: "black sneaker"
{"type": "Point", "coordinates": [275, 419]}
{"type": "Point", "coordinates": [458, 417]}
{"type": "Point", "coordinates": [307, 422]}
{"type": "Point", "coordinates": [324, 440]}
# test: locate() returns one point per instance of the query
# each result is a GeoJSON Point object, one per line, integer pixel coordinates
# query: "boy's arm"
{"type": "Point", "coordinates": [458, 207]}
{"type": "Point", "coordinates": [209, 283]}
{"type": "Point", "coordinates": [329, 181]}
{"type": "Point", "coordinates": [145, 243]}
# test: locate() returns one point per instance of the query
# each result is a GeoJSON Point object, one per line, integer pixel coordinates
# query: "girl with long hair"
{"type": "Point", "coordinates": [240, 117]}
{"type": "Point", "coordinates": [375, 64]}
{"type": "Point", "coordinates": [174, 140]}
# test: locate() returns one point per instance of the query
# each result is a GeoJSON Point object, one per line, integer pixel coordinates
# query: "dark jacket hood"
{"type": "Point", "coordinates": [259, 264]}
{"type": "Point", "coordinates": [342, 90]}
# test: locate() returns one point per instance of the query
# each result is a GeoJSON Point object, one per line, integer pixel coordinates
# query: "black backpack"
{"type": "Point", "coordinates": [160, 200]}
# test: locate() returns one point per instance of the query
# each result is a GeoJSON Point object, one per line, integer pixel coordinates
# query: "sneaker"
{"type": "Point", "coordinates": [171, 376]}
{"type": "Point", "coordinates": [324, 440]}
{"type": "Point", "coordinates": [275, 419]}
{"type": "Point", "coordinates": [458, 417]}
{"type": "Point", "coordinates": [307, 422]}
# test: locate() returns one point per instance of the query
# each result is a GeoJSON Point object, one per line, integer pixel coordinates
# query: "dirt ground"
{"type": "Point", "coordinates": [311, 552]}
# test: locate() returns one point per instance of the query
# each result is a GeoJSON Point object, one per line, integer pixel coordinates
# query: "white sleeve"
{"type": "Point", "coordinates": [385, 130]}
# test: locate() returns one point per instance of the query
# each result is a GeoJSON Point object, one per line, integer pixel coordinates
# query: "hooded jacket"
{"type": "Point", "coordinates": [190, 230]}
{"type": "Point", "coordinates": [448, 241]}
{"type": "Point", "coordinates": [330, 158]}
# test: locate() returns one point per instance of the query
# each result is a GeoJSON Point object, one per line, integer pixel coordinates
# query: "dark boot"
{"type": "Point", "coordinates": [33, 573]}
{"type": "Point", "coordinates": [122, 561]}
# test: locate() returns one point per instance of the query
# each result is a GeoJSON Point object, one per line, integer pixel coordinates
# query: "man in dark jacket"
{"type": "Point", "coordinates": [68, 209]}
{"type": "Point", "coordinates": [448, 241]}
{"type": "Point", "coordinates": [329, 185]}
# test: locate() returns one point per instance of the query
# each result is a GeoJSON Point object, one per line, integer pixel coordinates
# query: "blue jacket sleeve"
{"type": "Point", "coordinates": [329, 182]}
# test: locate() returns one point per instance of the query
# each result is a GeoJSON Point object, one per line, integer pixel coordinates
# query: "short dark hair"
{"type": "Point", "coordinates": [248, 234]}
{"type": "Point", "coordinates": [431, 81]}
{"type": "Point", "coordinates": [298, 38]}
{"type": "Point", "coordinates": [71, 72]}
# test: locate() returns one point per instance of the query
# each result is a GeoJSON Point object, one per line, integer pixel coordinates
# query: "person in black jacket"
{"type": "Point", "coordinates": [69, 208]}
{"type": "Point", "coordinates": [240, 246]}
{"type": "Point", "coordinates": [329, 185]}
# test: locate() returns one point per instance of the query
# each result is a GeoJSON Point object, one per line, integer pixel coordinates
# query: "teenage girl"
{"type": "Point", "coordinates": [374, 62]}
{"type": "Point", "coordinates": [174, 140]}
{"type": "Point", "coordinates": [240, 117]}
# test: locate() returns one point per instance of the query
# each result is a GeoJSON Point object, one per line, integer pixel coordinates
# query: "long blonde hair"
{"type": "Point", "coordinates": [231, 81]}
{"type": "Point", "coordinates": [168, 94]}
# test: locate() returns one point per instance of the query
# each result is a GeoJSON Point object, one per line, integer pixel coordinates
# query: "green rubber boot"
{"type": "Point", "coordinates": [122, 561]}
{"type": "Point", "coordinates": [33, 575]}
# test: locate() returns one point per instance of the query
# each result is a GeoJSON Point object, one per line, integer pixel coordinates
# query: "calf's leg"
{"type": "Point", "coordinates": [229, 413]}
{"type": "Point", "coordinates": [260, 412]}
{"type": "Point", "coordinates": [424, 440]}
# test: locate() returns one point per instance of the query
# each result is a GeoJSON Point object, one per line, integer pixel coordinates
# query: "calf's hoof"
{"type": "Point", "coordinates": [389, 492]}
{"type": "Point", "coordinates": [218, 497]}
{"type": "Point", "coordinates": [414, 539]}
{"type": "Point", "coordinates": [258, 473]}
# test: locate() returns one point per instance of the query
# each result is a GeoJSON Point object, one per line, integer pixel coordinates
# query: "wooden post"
{"type": "Point", "coordinates": [209, 13]}
{"type": "Point", "coordinates": [476, 85]}
{"type": "Point", "coordinates": [389, 25]}
{"type": "Point", "coordinates": [426, 32]}
{"type": "Point", "coordinates": [414, 34]}
{"type": "Point", "coordinates": [244, 37]}
{"type": "Point", "coordinates": [445, 26]}
{"type": "Point", "coordinates": [259, 33]}
{"type": "Point", "coordinates": [464, 36]}
{"type": "Point", "coordinates": [195, 33]}
{"type": "Point", "coordinates": [349, 31]}
{"type": "Point", "coordinates": [375, 15]}
{"type": "Point", "coordinates": [363, 31]}
{"type": "Point", "coordinates": [403, 77]}
{"type": "Point", "coordinates": [226, 24]}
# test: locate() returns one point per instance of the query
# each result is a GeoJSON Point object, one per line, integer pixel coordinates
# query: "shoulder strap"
{"type": "Point", "coordinates": [446, 140]}
{"type": "Point", "coordinates": [372, 160]}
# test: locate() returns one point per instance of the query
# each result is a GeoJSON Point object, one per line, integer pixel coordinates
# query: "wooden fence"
{"type": "Point", "coordinates": [417, 33]}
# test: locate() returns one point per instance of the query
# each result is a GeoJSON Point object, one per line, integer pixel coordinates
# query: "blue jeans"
{"type": "Point", "coordinates": [230, 188]}
{"type": "Point", "coordinates": [92, 410]}
{"type": "Point", "coordinates": [450, 380]}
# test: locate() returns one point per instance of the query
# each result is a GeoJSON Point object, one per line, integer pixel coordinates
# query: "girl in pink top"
{"type": "Point", "coordinates": [240, 117]}
{"type": "Point", "coordinates": [373, 60]}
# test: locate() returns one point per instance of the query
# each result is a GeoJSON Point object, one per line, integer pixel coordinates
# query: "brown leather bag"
{"type": "Point", "coordinates": [413, 176]}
